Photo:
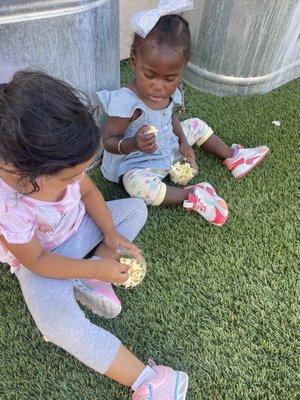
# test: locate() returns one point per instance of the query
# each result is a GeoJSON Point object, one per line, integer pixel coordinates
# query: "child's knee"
{"type": "Point", "coordinates": [196, 131]}
{"type": "Point", "coordinates": [151, 189]}
{"type": "Point", "coordinates": [141, 209]}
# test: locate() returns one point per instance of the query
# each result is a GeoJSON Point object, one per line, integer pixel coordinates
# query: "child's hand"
{"type": "Point", "coordinates": [187, 152]}
{"type": "Point", "coordinates": [116, 241]}
{"type": "Point", "coordinates": [112, 271]}
{"type": "Point", "coordinates": [145, 141]}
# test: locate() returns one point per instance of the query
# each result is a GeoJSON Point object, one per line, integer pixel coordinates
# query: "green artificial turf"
{"type": "Point", "coordinates": [219, 303]}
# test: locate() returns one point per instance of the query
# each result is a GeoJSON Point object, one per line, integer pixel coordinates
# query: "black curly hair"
{"type": "Point", "coordinates": [45, 126]}
{"type": "Point", "coordinates": [170, 30]}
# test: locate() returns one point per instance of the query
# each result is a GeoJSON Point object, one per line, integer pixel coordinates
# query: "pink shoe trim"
{"type": "Point", "coordinates": [192, 203]}
{"type": "Point", "coordinates": [102, 288]}
{"type": "Point", "coordinates": [232, 166]}
{"type": "Point", "coordinates": [220, 219]}
{"type": "Point", "coordinates": [260, 159]}
{"type": "Point", "coordinates": [167, 384]}
{"type": "Point", "coordinates": [98, 296]}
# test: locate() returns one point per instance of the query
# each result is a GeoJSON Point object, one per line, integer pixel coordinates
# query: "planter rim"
{"type": "Point", "coordinates": [27, 10]}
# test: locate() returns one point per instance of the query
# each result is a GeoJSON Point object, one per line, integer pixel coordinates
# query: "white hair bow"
{"type": "Point", "coordinates": [144, 21]}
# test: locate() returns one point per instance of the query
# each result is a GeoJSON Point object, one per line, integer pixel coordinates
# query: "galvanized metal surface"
{"type": "Point", "coordinates": [77, 41]}
{"type": "Point", "coordinates": [16, 11]}
{"type": "Point", "coordinates": [240, 47]}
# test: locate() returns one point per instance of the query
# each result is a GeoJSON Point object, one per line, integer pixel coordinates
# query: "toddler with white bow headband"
{"type": "Point", "coordinates": [141, 159]}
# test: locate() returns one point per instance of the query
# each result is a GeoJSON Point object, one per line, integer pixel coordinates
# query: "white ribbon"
{"type": "Point", "coordinates": [144, 21]}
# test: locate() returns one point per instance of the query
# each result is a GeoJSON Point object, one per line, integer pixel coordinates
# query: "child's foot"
{"type": "Point", "coordinates": [166, 384]}
{"type": "Point", "coordinates": [207, 203]}
{"type": "Point", "coordinates": [98, 296]}
{"type": "Point", "coordinates": [245, 159]}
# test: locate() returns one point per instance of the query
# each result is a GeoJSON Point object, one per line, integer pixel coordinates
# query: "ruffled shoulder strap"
{"type": "Point", "coordinates": [16, 223]}
{"type": "Point", "coordinates": [8, 198]}
{"type": "Point", "coordinates": [177, 97]}
{"type": "Point", "coordinates": [120, 103]}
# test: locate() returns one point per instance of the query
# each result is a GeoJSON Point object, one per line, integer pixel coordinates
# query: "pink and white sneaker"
{"type": "Point", "coordinates": [166, 384]}
{"type": "Point", "coordinates": [207, 203]}
{"type": "Point", "coordinates": [98, 296]}
{"type": "Point", "coordinates": [245, 159]}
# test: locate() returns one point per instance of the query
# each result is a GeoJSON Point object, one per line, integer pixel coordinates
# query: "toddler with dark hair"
{"type": "Point", "coordinates": [138, 157]}
{"type": "Point", "coordinates": [59, 235]}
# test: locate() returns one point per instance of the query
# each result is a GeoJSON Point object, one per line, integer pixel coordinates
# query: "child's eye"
{"type": "Point", "coordinates": [171, 80]}
{"type": "Point", "coordinates": [149, 76]}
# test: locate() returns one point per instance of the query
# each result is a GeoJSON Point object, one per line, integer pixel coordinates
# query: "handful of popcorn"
{"type": "Point", "coordinates": [182, 172]}
{"type": "Point", "coordinates": [152, 129]}
{"type": "Point", "coordinates": [137, 270]}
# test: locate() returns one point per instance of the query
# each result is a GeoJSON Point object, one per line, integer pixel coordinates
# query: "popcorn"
{"type": "Point", "coordinates": [137, 271]}
{"type": "Point", "coordinates": [276, 123]}
{"type": "Point", "coordinates": [182, 172]}
{"type": "Point", "coordinates": [152, 129]}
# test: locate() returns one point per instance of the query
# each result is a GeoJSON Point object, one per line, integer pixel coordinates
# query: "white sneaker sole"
{"type": "Point", "coordinates": [182, 382]}
{"type": "Point", "coordinates": [101, 306]}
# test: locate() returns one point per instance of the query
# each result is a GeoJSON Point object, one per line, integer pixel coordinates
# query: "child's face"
{"type": "Point", "coordinates": [59, 182]}
{"type": "Point", "coordinates": [158, 72]}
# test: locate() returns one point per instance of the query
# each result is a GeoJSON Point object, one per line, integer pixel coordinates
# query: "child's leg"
{"type": "Point", "coordinates": [129, 216]}
{"type": "Point", "coordinates": [52, 305]}
{"type": "Point", "coordinates": [147, 184]}
{"type": "Point", "coordinates": [198, 132]}
{"type": "Point", "coordinates": [237, 159]}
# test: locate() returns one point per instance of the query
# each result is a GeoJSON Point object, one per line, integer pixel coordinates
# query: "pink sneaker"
{"type": "Point", "coordinates": [245, 159]}
{"type": "Point", "coordinates": [207, 203]}
{"type": "Point", "coordinates": [167, 384]}
{"type": "Point", "coordinates": [98, 296]}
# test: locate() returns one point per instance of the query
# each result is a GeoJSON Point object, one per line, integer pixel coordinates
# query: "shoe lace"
{"type": "Point", "coordinates": [201, 205]}
{"type": "Point", "coordinates": [151, 362]}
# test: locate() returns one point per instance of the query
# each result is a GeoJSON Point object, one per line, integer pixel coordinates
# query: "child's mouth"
{"type": "Point", "coordinates": [156, 99]}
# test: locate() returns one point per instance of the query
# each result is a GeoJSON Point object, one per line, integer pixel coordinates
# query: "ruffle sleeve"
{"type": "Point", "coordinates": [15, 223]}
{"type": "Point", "coordinates": [120, 103]}
{"type": "Point", "coordinates": [177, 98]}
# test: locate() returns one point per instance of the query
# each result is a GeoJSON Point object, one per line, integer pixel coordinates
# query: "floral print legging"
{"type": "Point", "coordinates": [146, 183]}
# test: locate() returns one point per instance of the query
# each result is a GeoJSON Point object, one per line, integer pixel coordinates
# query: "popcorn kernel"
{"type": "Point", "coordinates": [182, 173]}
{"type": "Point", "coordinates": [137, 271]}
{"type": "Point", "coordinates": [152, 129]}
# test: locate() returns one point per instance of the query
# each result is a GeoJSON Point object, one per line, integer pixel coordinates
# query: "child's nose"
{"type": "Point", "coordinates": [157, 85]}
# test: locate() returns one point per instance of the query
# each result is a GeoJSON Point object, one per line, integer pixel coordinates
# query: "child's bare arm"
{"type": "Point", "coordinates": [114, 142]}
{"type": "Point", "coordinates": [177, 129]}
{"type": "Point", "coordinates": [184, 148]}
{"type": "Point", "coordinates": [114, 132]}
{"type": "Point", "coordinates": [52, 265]}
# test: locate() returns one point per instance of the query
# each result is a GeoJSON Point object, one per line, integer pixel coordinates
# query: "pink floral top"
{"type": "Point", "coordinates": [22, 216]}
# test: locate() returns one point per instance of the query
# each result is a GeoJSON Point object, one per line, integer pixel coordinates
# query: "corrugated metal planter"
{"type": "Point", "coordinates": [240, 47]}
{"type": "Point", "coordinates": [77, 41]}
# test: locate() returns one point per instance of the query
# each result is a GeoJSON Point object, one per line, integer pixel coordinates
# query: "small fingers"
{"type": "Point", "coordinates": [148, 137]}
{"type": "Point", "coordinates": [150, 149]}
{"type": "Point", "coordinates": [122, 268]}
{"type": "Point", "coordinates": [122, 273]}
{"type": "Point", "coordinates": [144, 129]}
{"type": "Point", "coordinates": [135, 251]}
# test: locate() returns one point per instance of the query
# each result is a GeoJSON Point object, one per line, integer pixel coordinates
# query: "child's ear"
{"type": "Point", "coordinates": [132, 60]}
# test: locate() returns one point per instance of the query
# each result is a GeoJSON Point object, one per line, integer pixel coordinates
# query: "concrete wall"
{"type": "Point", "coordinates": [127, 9]}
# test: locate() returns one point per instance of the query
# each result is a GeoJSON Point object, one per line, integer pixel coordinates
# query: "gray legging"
{"type": "Point", "coordinates": [51, 301]}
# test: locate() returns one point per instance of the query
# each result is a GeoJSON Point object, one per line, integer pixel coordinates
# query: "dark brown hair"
{"type": "Point", "coordinates": [45, 125]}
{"type": "Point", "coordinates": [170, 30]}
